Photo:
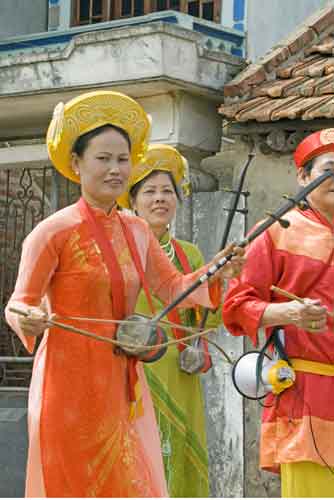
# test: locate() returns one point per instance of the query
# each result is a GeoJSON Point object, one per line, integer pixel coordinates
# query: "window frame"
{"type": "Point", "coordinates": [105, 15]}
{"type": "Point", "coordinates": [112, 10]}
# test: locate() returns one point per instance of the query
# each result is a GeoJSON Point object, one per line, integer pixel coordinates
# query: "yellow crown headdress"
{"type": "Point", "coordinates": [87, 112]}
{"type": "Point", "coordinates": [159, 157]}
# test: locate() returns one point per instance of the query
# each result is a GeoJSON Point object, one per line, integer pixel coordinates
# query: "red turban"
{"type": "Point", "coordinates": [314, 145]}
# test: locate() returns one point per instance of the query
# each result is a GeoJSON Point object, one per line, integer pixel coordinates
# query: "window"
{"type": "Point", "coordinates": [90, 11]}
{"type": "Point", "coordinates": [96, 11]}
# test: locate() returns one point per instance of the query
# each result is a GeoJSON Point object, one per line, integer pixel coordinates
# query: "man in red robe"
{"type": "Point", "coordinates": [297, 434]}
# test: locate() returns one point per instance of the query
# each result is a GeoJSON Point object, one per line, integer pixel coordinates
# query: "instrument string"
{"type": "Point", "coordinates": [139, 347]}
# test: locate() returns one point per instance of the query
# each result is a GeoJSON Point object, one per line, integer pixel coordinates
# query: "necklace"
{"type": "Point", "coordinates": [169, 249]}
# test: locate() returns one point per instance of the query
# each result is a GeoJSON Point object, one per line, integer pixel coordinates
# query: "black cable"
{"type": "Point", "coordinates": [298, 394]}
{"type": "Point", "coordinates": [264, 405]}
{"type": "Point", "coordinates": [312, 432]}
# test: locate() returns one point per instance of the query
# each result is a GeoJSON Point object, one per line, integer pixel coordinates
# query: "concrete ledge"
{"type": "Point", "coordinates": [24, 156]}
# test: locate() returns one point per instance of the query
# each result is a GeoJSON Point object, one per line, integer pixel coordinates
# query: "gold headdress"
{"type": "Point", "coordinates": [87, 112]}
{"type": "Point", "coordinates": [157, 157]}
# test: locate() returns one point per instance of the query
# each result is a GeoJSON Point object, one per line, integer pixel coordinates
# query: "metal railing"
{"type": "Point", "coordinates": [27, 196]}
{"type": "Point", "coordinates": [15, 373]}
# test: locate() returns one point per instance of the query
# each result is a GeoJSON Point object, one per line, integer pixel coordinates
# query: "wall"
{"type": "Point", "coordinates": [268, 178]}
{"type": "Point", "coordinates": [274, 20]}
{"type": "Point", "coordinates": [224, 406]}
{"type": "Point", "coordinates": [59, 17]}
{"type": "Point", "coordinates": [234, 14]}
{"type": "Point", "coordinates": [22, 17]}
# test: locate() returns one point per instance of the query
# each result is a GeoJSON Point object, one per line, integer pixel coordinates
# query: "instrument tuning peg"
{"type": "Point", "coordinates": [303, 205]}
{"type": "Point", "coordinates": [283, 222]}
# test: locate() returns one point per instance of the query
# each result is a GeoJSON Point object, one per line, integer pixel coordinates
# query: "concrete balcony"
{"type": "Point", "coordinates": [216, 35]}
{"type": "Point", "coordinates": [175, 65]}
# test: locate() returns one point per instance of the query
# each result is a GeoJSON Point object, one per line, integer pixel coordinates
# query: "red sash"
{"type": "Point", "coordinates": [109, 257]}
{"type": "Point", "coordinates": [174, 316]}
{"type": "Point", "coordinates": [137, 262]}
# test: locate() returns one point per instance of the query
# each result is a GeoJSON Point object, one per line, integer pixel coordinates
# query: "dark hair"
{"type": "Point", "coordinates": [134, 190]}
{"type": "Point", "coordinates": [307, 167]}
{"type": "Point", "coordinates": [306, 171]}
{"type": "Point", "coordinates": [82, 142]}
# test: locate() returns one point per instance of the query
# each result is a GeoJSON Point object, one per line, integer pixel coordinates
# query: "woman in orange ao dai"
{"type": "Point", "coordinates": [85, 436]}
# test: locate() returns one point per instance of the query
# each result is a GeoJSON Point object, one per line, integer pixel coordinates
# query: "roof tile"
{"type": "Point", "coordinates": [296, 109]}
{"type": "Point", "coordinates": [324, 110]}
{"type": "Point", "coordinates": [297, 86]}
{"type": "Point", "coordinates": [263, 113]}
{"type": "Point", "coordinates": [326, 86]}
{"type": "Point", "coordinates": [254, 74]}
{"type": "Point", "coordinates": [323, 48]}
{"type": "Point", "coordinates": [321, 19]}
{"type": "Point", "coordinates": [294, 81]}
{"type": "Point", "coordinates": [297, 68]}
{"type": "Point", "coordinates": [230, 110]}
{"type": "Point", "coordinates": [298, 40]}
{"type": "Point", "coordinates": [275, 58]}
{"type": "Point", "coordinates": [276, 88]}
{"type": "Point", "coordinates": [329, 66]}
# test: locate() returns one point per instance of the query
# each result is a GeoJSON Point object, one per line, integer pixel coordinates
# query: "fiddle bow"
{"type": "Point", "coordinates": [272, 218]}
{"type": "Point", "coordinates": [153, 323]}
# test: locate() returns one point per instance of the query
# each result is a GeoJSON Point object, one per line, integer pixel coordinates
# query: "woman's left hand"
{"type": "Point", "coordinates": [234, 267]}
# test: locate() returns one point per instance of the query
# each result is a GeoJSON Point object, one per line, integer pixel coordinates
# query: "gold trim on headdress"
{"type": "Point", "coordinates": [327, 136]}
{"type": "Point", "coordinates": [57, 124]}
{"type": "Point", "coordinates": [158, 157]}
{"type": "Point", "coordinates": [87, 112]}
{"type": "Point", "coordinates": [186, 184]}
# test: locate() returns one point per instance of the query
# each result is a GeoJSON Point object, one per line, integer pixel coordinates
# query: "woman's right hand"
{"type": "Point", "coordinates": [232, 268]}
{"type": "Point", "coordinates": [310, 315]}
{"type": "Point", "coordinates": [34, 322]}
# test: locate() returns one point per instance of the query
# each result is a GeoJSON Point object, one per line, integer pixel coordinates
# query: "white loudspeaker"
{"type": "Point", "coordinates": [275, 376]}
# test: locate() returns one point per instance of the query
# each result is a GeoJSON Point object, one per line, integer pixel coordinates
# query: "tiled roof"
{"type": "Point", "coordinates": [293, 81]}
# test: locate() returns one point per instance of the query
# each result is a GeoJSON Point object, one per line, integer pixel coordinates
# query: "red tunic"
{"type": "Point", "coordinates": [300, 260]}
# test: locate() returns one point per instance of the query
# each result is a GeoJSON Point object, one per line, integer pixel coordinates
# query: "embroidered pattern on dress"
{"type": "Point", "coordinates": [118, 442]}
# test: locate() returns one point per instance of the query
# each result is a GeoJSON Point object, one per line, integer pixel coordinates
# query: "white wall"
{"type": "Point", "coordinates": [269, 21]}
{"type": "Point", "coordinates": [59, 14]}
{"type": "Point", "coordinates": [21, 17]}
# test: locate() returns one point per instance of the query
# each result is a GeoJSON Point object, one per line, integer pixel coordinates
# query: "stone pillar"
{"type": "Point", "coordinates": [200, 181]}
{"type": "Point", "coordinates": [184, 220]}
{"type": "Point", "coordinates": [224, 406]}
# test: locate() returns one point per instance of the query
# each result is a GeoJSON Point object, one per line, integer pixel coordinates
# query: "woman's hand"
{"type": "Point", "coordinates": [310, 315]}
{"type": "Point", "coordinates": [34, 323]}
{"type": "Point", "coordinates": [234, 266]}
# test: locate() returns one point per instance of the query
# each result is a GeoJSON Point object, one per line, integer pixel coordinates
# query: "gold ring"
{"type": "Point", "coordinates": [314, 325]}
